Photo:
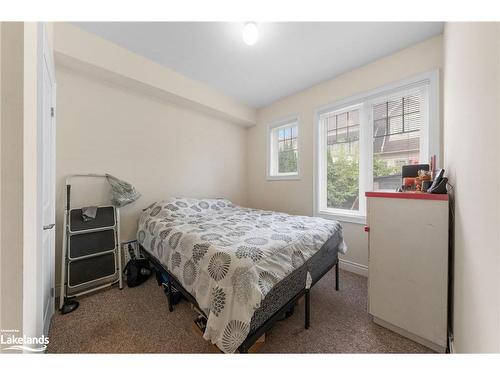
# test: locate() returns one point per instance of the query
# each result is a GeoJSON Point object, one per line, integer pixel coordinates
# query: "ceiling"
{"type": "Point", "coordinates": [289, 56]}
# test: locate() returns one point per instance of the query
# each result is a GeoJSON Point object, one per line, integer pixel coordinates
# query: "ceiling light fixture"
{"type": "Point", "coordinates": [250, 33]}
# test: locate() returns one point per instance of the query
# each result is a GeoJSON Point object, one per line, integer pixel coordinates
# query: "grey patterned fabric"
{"type": "Point", "coordinates": [291, 285]}
{"type": "Point", "coordinates": [229, 257]}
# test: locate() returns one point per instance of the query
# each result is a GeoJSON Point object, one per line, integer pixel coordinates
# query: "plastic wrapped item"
{"type": "Point", "coordinates": [122, 193]}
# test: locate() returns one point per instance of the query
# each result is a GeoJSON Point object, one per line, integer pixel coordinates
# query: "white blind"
{"type": "Point", "coordinates": [399, 113]}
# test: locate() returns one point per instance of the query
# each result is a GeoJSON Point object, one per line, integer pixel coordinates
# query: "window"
{"type": "Point", "coordinates": [342, 142]}
{"type": "Point", "coordinates": [283, 160]}
{"type": "Point", "coordinates": [396, 136]}
{"type": "Point", "coordinates": [363, 142]}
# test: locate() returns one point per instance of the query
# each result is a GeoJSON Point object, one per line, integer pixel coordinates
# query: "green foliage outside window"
{"type": "Point", "coordinates": [287, 159]}
{"type": "Point", "coordinates": [381, 169]}
{"type": "Point", "coordinates": [343, 178]}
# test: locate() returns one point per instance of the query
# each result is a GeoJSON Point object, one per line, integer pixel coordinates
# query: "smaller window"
{"type": "Point", "coordinates": [283, 161]}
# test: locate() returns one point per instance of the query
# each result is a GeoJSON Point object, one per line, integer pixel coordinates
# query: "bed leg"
{"type": "Point", "coordinates": [308, 309]}
{"type": "Point", "coordinates": [337, 275]}
{"type": "Point", "coordinates": [169, 295]}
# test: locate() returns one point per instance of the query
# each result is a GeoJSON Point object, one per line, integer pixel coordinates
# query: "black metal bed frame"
{"type": "Point", "coordinates": [172, 282]}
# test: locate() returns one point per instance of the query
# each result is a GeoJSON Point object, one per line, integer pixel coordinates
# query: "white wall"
{"type": "Point", "coordinates": [18, 162]}
{"type": "Point", "coordinates": [472, 160]}
{"type": "Point", "coordinates": [32, 218]}
{"type": "Point", "coordinates": [162, 149]}
{"type": "Point", "coordinates": [122, 114]}
{"type": "Point", "coordinates": [296, 197]}
{"type": "Point", "coordinates": [11, 246]}
{"type": "Point", "coordinates": [78, 48]}
{"type": "Point", "coordinates": [1, 99]}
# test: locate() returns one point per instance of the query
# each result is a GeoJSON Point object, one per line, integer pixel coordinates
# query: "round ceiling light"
{"type": "Point", "coordinates": [250, 33]}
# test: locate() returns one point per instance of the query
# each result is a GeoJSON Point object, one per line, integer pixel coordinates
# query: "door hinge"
{"type": "Point", "coordinates": [52, 292]}
{"type": "Point", "coordinates": [51, 111]}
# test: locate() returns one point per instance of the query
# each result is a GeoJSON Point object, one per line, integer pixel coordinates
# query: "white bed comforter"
{"type": "Point", "coordinates": [229, 257]}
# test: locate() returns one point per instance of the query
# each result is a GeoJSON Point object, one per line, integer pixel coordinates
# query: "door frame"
{"type": "Point", "coordinates": [34, 324]}
{"type": "Point", "coordinates": [46, 58]}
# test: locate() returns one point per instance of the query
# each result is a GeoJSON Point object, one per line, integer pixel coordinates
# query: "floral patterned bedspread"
{"type": "Point", "coordinates": [229, 257]}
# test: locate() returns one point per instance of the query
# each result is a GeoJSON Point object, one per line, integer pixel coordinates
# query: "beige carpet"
{"type": "Point", "coordinates": [137, 320]}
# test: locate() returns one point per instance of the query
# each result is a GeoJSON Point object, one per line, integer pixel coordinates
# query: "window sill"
{"type": "Point", "coordinates": [284, 178]}
{"type": "Point", "coordinates": [346, 218]}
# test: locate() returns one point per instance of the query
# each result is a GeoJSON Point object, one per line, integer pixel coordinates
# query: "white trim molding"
{"type": "Point", "coordinates": [430, 139]}
{"type": "Point", "coordinates": [282, 122]}
{"type": "Point", "coordinates": [339, 215]}
{"type": "Point", "coordinates": [359, 269]}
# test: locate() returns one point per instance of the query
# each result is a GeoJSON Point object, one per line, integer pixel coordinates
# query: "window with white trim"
{"type": "Point", "coordinates": [363, 142]}
{"type": "Point", "coordinates": [342, 159]}
{"type": "Point", "coordinates": [283, 150]}
{"type": "Point", "coordinates": [396, 122]}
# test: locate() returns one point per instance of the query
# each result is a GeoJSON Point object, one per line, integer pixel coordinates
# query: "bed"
{"type": "Point", "coordinates": [241, 267]}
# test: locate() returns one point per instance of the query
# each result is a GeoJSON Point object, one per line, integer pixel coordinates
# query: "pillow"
{"type": "Point", "coordinates": [188, 206]}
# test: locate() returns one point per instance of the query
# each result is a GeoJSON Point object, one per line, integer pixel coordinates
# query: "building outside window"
{"type": "Point", "coordinates": [362, 143]}
{"type": "Point", "coordinates": [396, 137]}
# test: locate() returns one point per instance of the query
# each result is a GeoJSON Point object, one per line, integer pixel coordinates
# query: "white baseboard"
{"type": "Point", "coordinates": [353, 267]}
{"type": "Point", "coordinates": [432, 345]}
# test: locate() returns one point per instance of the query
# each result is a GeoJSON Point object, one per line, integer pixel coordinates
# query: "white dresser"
{"type": "Point", "coordinates": [408, 264]}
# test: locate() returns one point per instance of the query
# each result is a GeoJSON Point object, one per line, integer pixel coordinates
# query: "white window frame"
{"type": "Point", "coordinates": [272, 148]}
{"type": "Point", "coordinates": [429, 140]}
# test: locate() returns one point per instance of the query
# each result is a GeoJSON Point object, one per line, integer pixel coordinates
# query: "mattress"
{"type": "Point", "coordinates": [290, 286]}
{"type": "Point", "coordinates": [229, 258]}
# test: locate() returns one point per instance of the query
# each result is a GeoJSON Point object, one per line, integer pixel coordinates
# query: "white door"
{"type": "Point", "coordinates": [47, 263]}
